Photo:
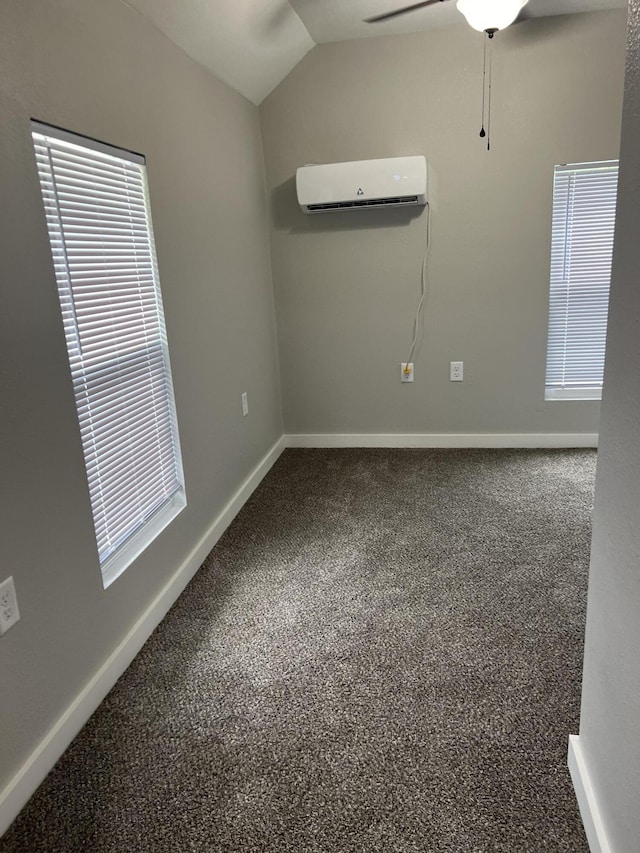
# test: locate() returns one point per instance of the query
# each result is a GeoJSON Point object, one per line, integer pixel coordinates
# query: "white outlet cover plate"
{"type": "Point", "coordinates": [406, 377]}
{"type": "Point", "coordinates": [456, 371]}
{"type": "Point", "coordinates": [9, 613]}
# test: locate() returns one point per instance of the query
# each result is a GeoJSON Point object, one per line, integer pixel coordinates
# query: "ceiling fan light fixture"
{"type": "Point", "coordinates": [490, 15]}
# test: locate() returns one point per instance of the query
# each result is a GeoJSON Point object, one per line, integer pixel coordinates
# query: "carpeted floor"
{"type": "Point", "coordinates": [383, 653]}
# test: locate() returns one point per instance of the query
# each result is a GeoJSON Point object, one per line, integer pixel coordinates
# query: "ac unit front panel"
{"type": "Point", "coordinates": [394, 181]}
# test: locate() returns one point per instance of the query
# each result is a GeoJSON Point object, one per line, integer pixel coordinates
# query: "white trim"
{"type": "Point", "coordinates": [587, 802]}
{"type": "Point", "coordinates": [576, 394]}
{"type": "Point", "coordinates": [42, 759]}
{"type": "Point", "coordinates": [515, 439]}
{"type": "Point", "coordinates": [49, 130]}
{"type": "Point", "coordinates": [139, 541]}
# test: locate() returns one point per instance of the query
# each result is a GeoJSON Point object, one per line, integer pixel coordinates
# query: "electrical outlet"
{"type": "Point", "coordinates": [456, 371]}
{"type": "Point", "coordinates": [245, 404]}
{"type": "Point", "coordinates": [9, 613]}
{"type": "Point", "coordinates": [406, 372]}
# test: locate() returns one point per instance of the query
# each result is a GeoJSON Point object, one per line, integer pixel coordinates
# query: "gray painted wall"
{"type": "Point", "coordinates": [347, 284]}
{"type": "Point", "coordinates": [102, 70]}
{"type": "Point", "coordinates": [609, 727]}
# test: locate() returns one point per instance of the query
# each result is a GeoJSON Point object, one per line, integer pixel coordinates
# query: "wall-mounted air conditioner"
{"type": "Point", "coordinates": [362, 184]}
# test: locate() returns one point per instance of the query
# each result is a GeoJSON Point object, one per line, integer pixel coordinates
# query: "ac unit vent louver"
{"type": "Point", "coordinates": [373, 202]}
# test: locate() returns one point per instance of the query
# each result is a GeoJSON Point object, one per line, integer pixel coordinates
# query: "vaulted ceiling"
{"type": "Point", "coordinates": [253, 44]}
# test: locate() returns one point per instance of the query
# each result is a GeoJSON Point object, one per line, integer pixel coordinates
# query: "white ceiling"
{"type": "Point", "coordinates": [253, 44]}
{"type": "Point", "coordinates": [249, 44]}
{"type": "Point", "coordinates": [337, 20]}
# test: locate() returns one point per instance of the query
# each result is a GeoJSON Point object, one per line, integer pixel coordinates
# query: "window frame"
{"type": "Point", "coordinates": [582, 235]}
{"type": "Point", "coordinates": [116, 338]}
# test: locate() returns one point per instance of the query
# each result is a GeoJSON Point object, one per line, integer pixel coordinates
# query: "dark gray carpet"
{"type": "Point", "coordinates": [383, 653]}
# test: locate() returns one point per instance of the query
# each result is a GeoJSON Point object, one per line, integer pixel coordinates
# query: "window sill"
{"type": "Point", "coordinates": [576, 394]}
{"type": "Point", "coordinates": [140, 541]}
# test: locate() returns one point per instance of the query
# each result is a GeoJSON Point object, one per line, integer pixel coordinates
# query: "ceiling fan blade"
{"type": "Point", "coordinates": [402, 11]}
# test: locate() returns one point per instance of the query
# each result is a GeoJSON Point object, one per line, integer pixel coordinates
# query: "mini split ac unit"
{"type": "Point", "coordinates": [362, 184]}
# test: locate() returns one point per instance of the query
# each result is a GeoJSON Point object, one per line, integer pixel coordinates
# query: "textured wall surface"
{"type": "Point", "coordinates": [347, 284]}
{"type": "Point", "coordinates": [611, 684]}
{"type": "Point", "coordinates": [101, 70]}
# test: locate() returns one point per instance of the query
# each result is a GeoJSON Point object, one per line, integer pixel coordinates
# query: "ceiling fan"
{"type": "Point", "coordinates": [487, 16]}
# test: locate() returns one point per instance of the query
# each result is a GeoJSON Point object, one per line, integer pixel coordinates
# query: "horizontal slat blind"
{"type": "Point", "coordinates": [584, 206]}
{"type": "Point", "coordinates": [99, 223]}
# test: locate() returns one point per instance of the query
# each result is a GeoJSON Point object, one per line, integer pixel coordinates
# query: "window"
{"type": "Point", "coordinates": [97, 210]}
{"type": "Point", "coordinates": [584, 207]}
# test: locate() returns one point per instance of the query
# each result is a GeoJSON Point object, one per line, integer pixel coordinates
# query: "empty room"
{"type": "Point", "coordinates": [320, 425]}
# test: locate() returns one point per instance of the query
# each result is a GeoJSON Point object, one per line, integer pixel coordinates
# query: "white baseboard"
{"type": "Point", "coordinates": [461, 440]}
{"type": "Point", "coordinates": [42, 759]}
{"type": "Point", "coordinates": [587, 802]}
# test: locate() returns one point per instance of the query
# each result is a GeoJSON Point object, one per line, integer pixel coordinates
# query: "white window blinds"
{"type": "Point", "coordinates": [99, 222]}
{"type": "Point", "coordinates": [584, 206]}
